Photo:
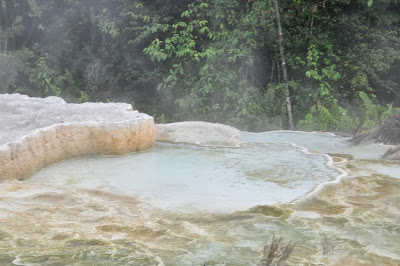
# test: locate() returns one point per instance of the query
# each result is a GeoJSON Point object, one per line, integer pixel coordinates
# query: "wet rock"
{"type": "Point", "coordinates": [201, 133]}
{"type": "Point", "coordinates": [392, 154]}
{"type": "Point", "coordinates": [387, 132]}
{"type": "Point", "coordinates": [36, 132]}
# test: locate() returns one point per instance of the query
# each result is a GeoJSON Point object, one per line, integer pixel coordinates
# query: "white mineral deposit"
{"type": "Point", "coordinates": [37, 132]}
{"type": "Point", "coordinates": [204, 194]}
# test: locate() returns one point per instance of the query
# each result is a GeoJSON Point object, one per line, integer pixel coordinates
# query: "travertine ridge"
{"type": "Point", "coordinates": [36, 132]}
{"type": "Point", "coordinates": [197, 132]}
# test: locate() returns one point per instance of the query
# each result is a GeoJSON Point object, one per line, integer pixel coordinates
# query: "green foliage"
{"type": "Point", "coordinates": [84, 97]}
{"type": "Point", "coordinates": [205, 59]}
{"type": "Point", "coordinates": [210, 60]}
{"type": "Point", "coordinates": [335, 118]}
{"type": "Point", "coordinates": [373, 113]}
{"type": "Point", "coordinates": [371, 110]}
{"type": "Point", "coordinates": [338, 118]}
{"type": "Point", "coordinates": [11, 64]}
{"type": "Point", "coordinates": [47, 80]}
{"type": "Point", "coordinates": [29, 67]}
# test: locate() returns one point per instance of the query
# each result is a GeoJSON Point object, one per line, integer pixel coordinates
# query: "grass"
{"type": "Point", "coordinates": [277, 252]}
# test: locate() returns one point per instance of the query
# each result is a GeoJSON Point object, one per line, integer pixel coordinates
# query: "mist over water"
{"type": "Point", "coordinates": [189, 205]}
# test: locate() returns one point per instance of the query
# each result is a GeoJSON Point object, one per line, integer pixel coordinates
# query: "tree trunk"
{"type": "Point", "coordinates": [30, 33]}
{"type": "Point", "coordinates": [4, 4]}
{"type": "Point", "coordinates": [284, 69]}
{"type": "Point", "coordinates": [6, 41]}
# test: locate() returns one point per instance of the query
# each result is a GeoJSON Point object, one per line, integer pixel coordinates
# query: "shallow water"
{"type": "Point", "coordinates": [187, 178]}
{"type": "Point", "coordinates": [189, 205]}
{"type": "Point", "coordinates": [321, 142]}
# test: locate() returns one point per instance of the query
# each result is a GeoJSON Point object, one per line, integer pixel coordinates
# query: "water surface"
{"type": "Point", "coordinates": [188, 205]}
{"type": "Point", "coordinates": [188, 178]}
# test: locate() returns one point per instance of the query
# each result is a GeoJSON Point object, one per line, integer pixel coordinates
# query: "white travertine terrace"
{"type": "Point", "coordinates": [36, 132]}
{"type": "Point", "coordinates": [201, 133]}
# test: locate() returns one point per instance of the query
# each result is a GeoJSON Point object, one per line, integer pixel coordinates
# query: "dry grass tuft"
{"type": "Point", "coordinates": [277, 252]}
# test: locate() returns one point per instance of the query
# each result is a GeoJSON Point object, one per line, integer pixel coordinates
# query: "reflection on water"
{"type": "Point", "coordinates": [95, 211]}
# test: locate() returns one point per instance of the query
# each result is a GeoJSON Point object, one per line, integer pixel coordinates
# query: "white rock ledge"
{"type": "Point", "coordinates": [36, 132]}
{"type": "Point", "coordinates": [200, 133]}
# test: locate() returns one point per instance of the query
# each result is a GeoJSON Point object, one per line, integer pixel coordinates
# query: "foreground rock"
{"type": "Point", "coordinates": [388, 132]}
{"type": "Point", "coordinates": [37, 132]}
{"type": "Point", "coordinates": [392, 154]}
{"type": "Point", "coordinates": [201, 133]}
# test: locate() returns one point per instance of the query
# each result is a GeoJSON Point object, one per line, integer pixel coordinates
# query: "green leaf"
{"type": "Point", "coordinates": [185, 14]}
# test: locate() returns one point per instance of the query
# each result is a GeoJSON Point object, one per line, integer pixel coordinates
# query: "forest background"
{"type": "Point", "coordinates": [214, 61]}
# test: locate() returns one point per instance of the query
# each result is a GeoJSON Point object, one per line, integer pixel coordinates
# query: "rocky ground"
{"type": "Point", "coordinates": [36, 132]}
{"type": "Point", "coordinates": [387, 132]}
{"type": "Point", "coordinates": [197, 132]}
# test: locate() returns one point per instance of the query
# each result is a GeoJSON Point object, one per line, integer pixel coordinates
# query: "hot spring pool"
{"type": "Point", "coordinates": [180, 204]}
{"type": "Point", "coordinates": [188, 178]}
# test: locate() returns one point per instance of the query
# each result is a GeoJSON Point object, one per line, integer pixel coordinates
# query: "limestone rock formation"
{"type": "Point", "coordinates": [36, 132]}
{"type": "Point", "coordinates": [201, 133]}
